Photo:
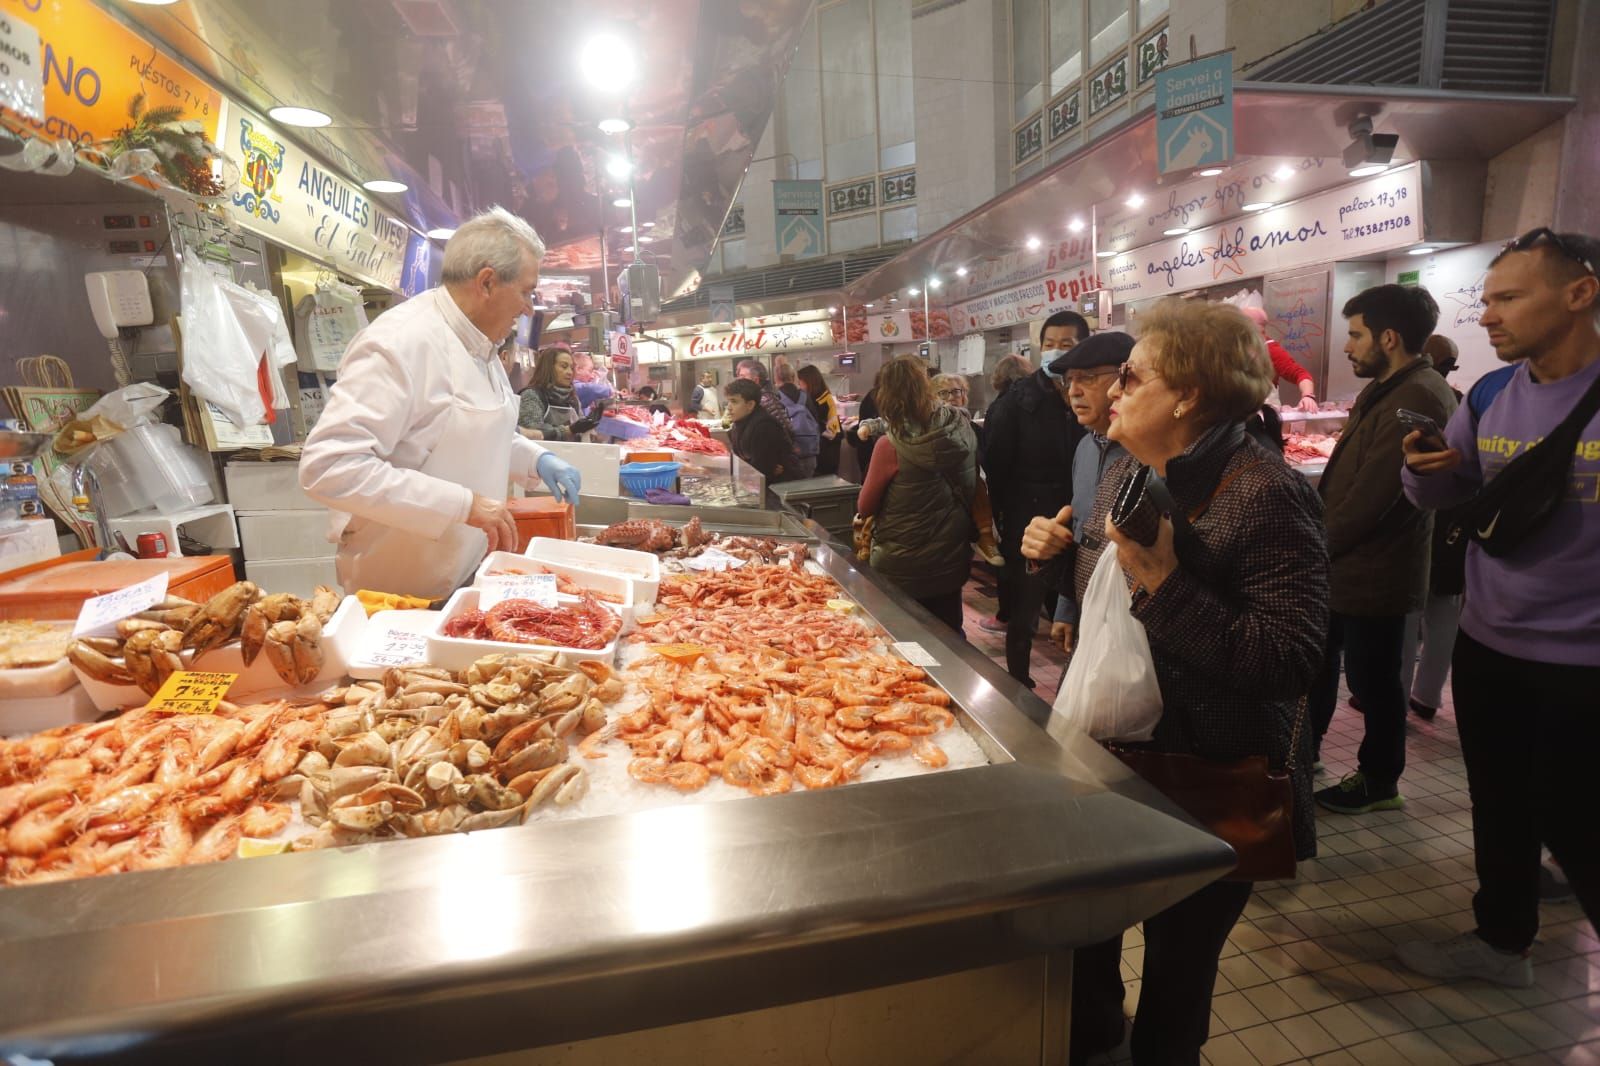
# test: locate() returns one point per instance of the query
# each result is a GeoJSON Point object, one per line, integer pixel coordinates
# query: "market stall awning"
{"type": "Point", "coordinates": [1271, 121]}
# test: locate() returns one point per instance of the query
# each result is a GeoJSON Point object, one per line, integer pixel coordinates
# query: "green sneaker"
{"type": "Point", "coordinates": [1353, 796]}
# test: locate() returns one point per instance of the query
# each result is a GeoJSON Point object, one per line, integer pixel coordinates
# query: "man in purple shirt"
{"type": "Point", "coordinates": [1527, 662]}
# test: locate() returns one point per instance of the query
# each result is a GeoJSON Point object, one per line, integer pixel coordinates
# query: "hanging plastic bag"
{"type": "Point", "coordinates": [331, 319]}
{"type": "Point", "coordinates": [1110, 691]}
{"type": "Point", "coordinates": [219, 362]}
{"type": "Point", "coordinates": [132, 405]}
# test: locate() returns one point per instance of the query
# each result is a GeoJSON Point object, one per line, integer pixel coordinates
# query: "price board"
{"type": "Point", "coordinates": [192, 692]}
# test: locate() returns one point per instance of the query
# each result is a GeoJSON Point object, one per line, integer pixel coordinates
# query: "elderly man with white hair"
{"type": "Point", "coordinates": [418, 443]}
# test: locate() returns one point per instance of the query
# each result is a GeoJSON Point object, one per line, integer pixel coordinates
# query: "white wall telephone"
{"type": "Point", "coordinates": [119, 298]}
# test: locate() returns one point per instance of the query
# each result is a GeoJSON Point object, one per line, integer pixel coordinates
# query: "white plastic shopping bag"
{"type": "Point", "coordinates": [1110, 691]}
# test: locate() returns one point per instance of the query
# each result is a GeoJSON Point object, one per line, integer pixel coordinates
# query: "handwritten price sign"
{"type": "Point", "coordinates": [540, 588]}
{"type": "Point", "coordinates": [98, 616]}
{"type": "Point", "coordinates": [395, 647]}
{"type": "Point", "coordinates": [192, 692]}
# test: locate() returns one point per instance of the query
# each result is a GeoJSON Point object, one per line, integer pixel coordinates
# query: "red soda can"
{"type": "Point", "coordinates": [152, 546]}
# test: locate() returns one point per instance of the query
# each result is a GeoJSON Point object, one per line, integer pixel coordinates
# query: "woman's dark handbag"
{"type": "Point", "coordinates": [1519, 500]}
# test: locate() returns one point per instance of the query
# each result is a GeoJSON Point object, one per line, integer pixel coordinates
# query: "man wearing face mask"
{"type": "Point", "coordinates": [1378, 542]}
{"type": "Point", "coordinates": [1030, 437]}
{"type": "Point", "coordinates": [419, 441]}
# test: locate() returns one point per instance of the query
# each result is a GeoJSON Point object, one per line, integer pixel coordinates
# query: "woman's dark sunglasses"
{"type": "Point", "coordinates": [1547, 235]}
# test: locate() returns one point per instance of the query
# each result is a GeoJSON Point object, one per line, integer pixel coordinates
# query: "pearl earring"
{"type": "Point", "coordinates": [1177, 412]}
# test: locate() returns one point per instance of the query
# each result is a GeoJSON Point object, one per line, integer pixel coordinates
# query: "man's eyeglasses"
{"type": "Point", "coordinates": [1544, 234]}
{"type": "Point", "coordinates": [1082, 377]}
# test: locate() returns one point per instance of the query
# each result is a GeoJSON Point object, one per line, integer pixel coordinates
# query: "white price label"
{"type": "Point", "coordinates": [540, 588]}
{"type": "Point", "coordinates": [914, 653]}
{"type": "Point", "coordinates": [713, 559]}
{"type": "Point", "coordinates": [21, 75]}
{"type": "Point", "coordinates": [100, 615]}
{"type": "Point", "coordinates": [395, 647]}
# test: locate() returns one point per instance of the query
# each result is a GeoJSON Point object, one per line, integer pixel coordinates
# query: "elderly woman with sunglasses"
{"type": "Point", "coordinates": [1235, 608]}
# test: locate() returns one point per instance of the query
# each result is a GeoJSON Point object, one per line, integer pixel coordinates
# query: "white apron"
{"type": "Point", "coordinates": [386, 559]}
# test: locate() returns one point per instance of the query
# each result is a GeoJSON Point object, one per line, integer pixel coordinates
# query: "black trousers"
{"type": "Point", "coordinates": [1529, 733]}
{"type": "Point", "coordinates": [1370, 648]}
{"type": "Point", "coordinates": [1023, 596]}
{"type": "Point", "coordinates": [1181, 947]}
{"type": "Point", "coordinates": [947, 609]}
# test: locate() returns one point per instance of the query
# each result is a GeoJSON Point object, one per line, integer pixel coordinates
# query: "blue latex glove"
{"type": "Point", "coordinates": [560, 477]}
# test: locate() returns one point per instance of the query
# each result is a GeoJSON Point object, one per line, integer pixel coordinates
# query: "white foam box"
{"type": "Point", "coordinates": [341, 638]}
{"type": "Point", "coordinates": [617, 589]}
{"type": "Point", "coordinates": [598, 464]}
{"type": "Point", "coordinates": [28, 541]}
{"type": "Point", "coordinates": [641, 568]}
{"type": "Point", "coordinates": [23, 716]}
{"type": "Point", "coordinates": [299, 576]}
{"type": "Point", "coordinates": [271, 536]}
{"type": "Point", "coordinates": [456, 653]}
{"type": "Point", "coordinates": [266, 487]}
{"type": "Point", "coordinates": [108, 697]}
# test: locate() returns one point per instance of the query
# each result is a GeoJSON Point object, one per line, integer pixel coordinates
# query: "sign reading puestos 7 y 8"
{"type": "Point", "coordinates": [93, 67]}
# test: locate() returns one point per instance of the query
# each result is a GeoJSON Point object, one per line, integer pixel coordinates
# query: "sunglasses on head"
{"type": "Point", "coordinates": [1544, 234]}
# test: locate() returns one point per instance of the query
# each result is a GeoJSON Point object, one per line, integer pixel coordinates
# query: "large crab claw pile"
{"type": "Point", "coordinates": [150, 644]}
{"type": "Point", "coordinates": [428, 752]}
{"type": "Point", "coordinates": [289, 630]}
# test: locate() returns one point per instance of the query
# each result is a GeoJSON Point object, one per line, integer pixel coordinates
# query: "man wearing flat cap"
{"type": "Point", "coordinates": [1088, 372]}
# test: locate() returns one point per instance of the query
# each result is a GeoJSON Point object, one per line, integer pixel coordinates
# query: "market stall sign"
{"type": "Point", "coordinates": [898, 188]}
{"type": "Point", "coordinates": [797, 218]}
{"type": "Point", "coordinates": [1063, 290]}
{"type": "Point", "coordinates": [851, 196]}
{"type": "Point", "coordinates": [1066, 114]}
{"type": "Point", "coordinates": [798, 336]}
{"type": "Point", "coordinates": [1194, 114]}
{"type": "Point", "coordinates": [1206, 201]}
{"type": "Point", "coordinates": [1363, 218]}
{"type": "Point", "coordinates": [1002, 272]}
{"type": "Point", "coordinates": [92, 67]}
{"type": "Point", "coordinates": [192, 692]}
{"type": "Point", "coordinates": [1109, 85]}
{"type": "Point", "coordinates": [288, 197]}
{"type": "Point", "coordinates": [892, 328]}
{"type": "Point", "coordinates": [1028, 139]}
{"type": "Point", "coordinates": [99, 615]}
{"type": "Point", "coordinates": [21, 61]}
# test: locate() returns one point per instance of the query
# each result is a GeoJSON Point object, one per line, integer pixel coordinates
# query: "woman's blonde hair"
{"type": "Point", "coordinates": [1211, 348]}
{"type": "Point", "coordinates": [905, 395]}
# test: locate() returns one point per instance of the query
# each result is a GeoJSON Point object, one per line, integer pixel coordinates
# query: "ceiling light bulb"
{"type": "Point", "coordinates": [615, 125]}
{"type": "Point", "coordinates": [1425, 250]}
{"type": "Point", "coordinates": [621, 201]}
{"type": "Point", "coordinates": [618, 166]}
{"type": "Point", "coordinates": [647, 225]}
{"type": "Point", "coordinates": [309, 117]}
{"type": "Point", "coordinates": [1210, 172]}
{"type": "Point", "coordinates": [961, 272]}
{"type": "Point", "coordinates": [1135, 201]}
{"type": "Point", "coordinates": [608, 62]}
{"type": "Point", "coordinates": [629, 248]}
{"type": "Point", "coordinates": [1034, 244]}
{"type": "Point", "coordinates": [384, 185]}
{"type": "Point", "coordinates": [1107, 254]}
{"type": "Point", "coordinates": [868, 306]}
{"type": "Point", "coordinates": [1284, 172]}
{"type": "Point", "coordinates": [833, 310]}
{"type": "Point", "coordinates": [1368, 170]}
{"type": "Point", "coordinates": [934, 283]}
{"type": "Point", "coordinates": [441, 233]}
{"type": "Point", "coordinates": [624, 229]}
{"type": "Point", "coordinates": [1176, 231]}
{"type": "Point", "coordinates": [1076, 225]}
{"type": "Point", "coordinates": [1260, 205]}
{"type": "Point", "coordinates": [645, 240]}
{"type": "Point", "coordinates": [914, 291]}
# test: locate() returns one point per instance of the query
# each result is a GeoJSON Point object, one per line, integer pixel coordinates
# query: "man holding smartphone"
{"type": "Point", "coordinates": [1378, 543]}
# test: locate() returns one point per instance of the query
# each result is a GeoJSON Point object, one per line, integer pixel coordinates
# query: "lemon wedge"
{"type": "Point", "coordinates": [250, 848]}
{"type": "Point", "coordinates": [842, 606]}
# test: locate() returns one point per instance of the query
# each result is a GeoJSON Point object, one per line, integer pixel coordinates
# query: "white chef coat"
{"type": "Point", "coordinates": [401, 386]}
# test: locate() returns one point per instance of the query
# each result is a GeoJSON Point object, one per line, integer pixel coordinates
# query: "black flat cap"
{"type": "Point", "coordinates": [1100, 349]}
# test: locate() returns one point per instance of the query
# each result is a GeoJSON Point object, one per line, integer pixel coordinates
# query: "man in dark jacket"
{"type": "Point", "coordinates": [1378, 543]}
{"type": "Point", "coordinates": [1031, 436]}
{"type": "Point", "coordinates": [757, 437]}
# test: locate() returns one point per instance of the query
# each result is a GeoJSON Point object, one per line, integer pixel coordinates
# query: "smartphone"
{"type": "Point", "coordinates": [1432, 436]}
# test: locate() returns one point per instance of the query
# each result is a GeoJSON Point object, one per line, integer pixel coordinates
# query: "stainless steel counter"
{"type": "Point", "coordinates": [444, 948]}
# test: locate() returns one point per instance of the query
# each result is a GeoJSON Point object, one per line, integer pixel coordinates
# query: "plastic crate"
{"type": "Point", "coordinates": [639, 478]}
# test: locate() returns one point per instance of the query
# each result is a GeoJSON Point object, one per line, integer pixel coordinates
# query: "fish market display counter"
{"type": "Point", "coordinates": [929, 917]}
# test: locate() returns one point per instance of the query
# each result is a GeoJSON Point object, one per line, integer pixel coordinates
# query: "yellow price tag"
{"type": "Point", "coordinates": [192, 692]}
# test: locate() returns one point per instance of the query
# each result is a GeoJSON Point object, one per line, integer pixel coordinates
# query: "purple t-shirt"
{"type": "Point", "coordinates": [1543, 601]}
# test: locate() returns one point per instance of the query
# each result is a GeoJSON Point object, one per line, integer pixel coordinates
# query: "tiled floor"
{"type": "Point", "coordinates": [1309, 975]}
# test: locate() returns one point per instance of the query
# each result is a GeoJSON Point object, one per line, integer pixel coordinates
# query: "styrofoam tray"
{"type": "Point", "coordinates": [456, 653]}
{"type": "Point", "coordinates": [641, 568]}
{"type": "Point", "coordinates": [108, 697]}
{"type": "Point", "coordinates": [365, 665]}
{"type": "Point", "coordinates": [605, 584]}
{"type": "Point", "coordinates": [22, 716]}
{"type": "Point", "coordinates": [340, 638]}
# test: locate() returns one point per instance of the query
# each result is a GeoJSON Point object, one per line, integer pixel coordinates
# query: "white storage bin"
{"type": "Point", "coordinates": [641, 568]}
{"type": "Point", "coordinates": [614, 590]}
{"type": "Point", "coordinates": [598, 464]}
{"type": "Point", "coordinates": [211, 524]}
{"type": "Point", "coordinates": [299, 576]}
{"type": "Point", "coordinates": [115, 697]}
{"type": "Point", "coordinates": [341, 638]}
{"type": "Point", "coordinates": [271, 535]}
{"type": "Point", "coordinates": [266, 487]}
{"type": "Point", "coordinates": [455, 653]}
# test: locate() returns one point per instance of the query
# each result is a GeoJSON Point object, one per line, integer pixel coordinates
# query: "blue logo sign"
{"type": "Point", "coordinates": [797, 210]}
{"type": "Point", "coordinates": [1194, 114]}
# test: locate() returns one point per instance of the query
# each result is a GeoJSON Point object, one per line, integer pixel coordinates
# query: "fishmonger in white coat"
{"type": "Point", "coordinates": [418, 442]}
